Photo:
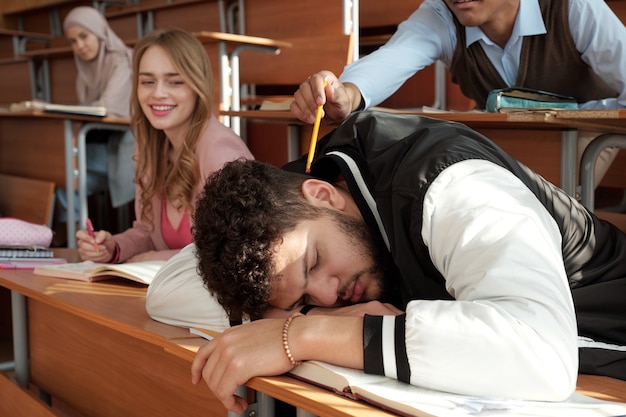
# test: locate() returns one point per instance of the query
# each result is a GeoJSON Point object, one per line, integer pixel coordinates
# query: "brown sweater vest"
{"type": "Point", "coordinates": [548, 62]}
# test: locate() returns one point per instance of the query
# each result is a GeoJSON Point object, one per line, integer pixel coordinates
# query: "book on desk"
{"type": "Point", "coordinates": [25, 251]}
{"type": "Point", "coordinates": [142, 272]}
{"type": "Point", "coordinates": [27, 257]}
{"type": "Point", "coordinates": [409, 400]}
{"type": "Point", "coordinates": [34, 105]}
{"type": "Point", "coordinates": [412, 401]}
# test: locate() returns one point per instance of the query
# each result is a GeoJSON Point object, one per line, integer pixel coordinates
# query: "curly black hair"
{"type": "Point", "coordinates": [243, 213]}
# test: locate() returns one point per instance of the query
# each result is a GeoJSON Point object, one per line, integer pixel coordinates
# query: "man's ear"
{"type": "Point", "coordinates": [323, 194]}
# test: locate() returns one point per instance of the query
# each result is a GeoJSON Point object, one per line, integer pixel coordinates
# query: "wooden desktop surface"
{"type": "Point", "coordinates": [600, 120]}
{"type": "Point", "coordinates": [32, 143]}
{"type": "Point", "coordinates": [100, 334]}
{"type": "Point", "coordinates": [539, 139]}
{"type": "Point", "coordinates": [46, 146]}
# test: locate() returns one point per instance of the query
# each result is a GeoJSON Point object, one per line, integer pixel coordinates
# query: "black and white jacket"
{"type": "Point", "coordinates": [493, 262]}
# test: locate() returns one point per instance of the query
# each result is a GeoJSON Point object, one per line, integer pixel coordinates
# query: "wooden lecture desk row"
{"type": "Point", "coordinates": [229, 46]}
{"type": "Point", "coordinates": [94, 347]}
{"type": "Point", "coordinates": [52, 146]}
{"type": "Point", "coordinates": [567, 122]}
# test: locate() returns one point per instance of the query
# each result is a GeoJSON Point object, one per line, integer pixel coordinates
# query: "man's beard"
{"type": "Point", "coordinates": [362, 239]}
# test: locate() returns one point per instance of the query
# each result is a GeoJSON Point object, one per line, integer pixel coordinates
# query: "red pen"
{"type": "Point", "coordinates": [92, 234]}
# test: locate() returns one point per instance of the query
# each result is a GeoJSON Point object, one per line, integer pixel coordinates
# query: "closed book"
{"type": "Point", "coordinates": [25, 106]}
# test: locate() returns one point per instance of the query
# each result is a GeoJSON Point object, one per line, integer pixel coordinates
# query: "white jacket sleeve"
{"type": "Point", "coordinates": [177, 295]}
{"type": "Point", "coordinates": [511, 330]}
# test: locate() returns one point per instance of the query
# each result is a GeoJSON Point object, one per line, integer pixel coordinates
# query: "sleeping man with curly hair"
{"type": "Point", "coordinates": [418, 249]}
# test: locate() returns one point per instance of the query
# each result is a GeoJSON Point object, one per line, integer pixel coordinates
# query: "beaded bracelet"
{"type": "Point", "coordinates": [285, 341]}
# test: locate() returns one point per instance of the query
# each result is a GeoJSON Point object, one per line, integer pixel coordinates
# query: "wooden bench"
{"type": "Point", "coordinates": [16, 401]}
{"type": "Point", "coordinates": [27, 199]}
{"type": "Point", "coordinates": [191, 15]}
{"type": "Point", "coordinates": [18, 40]}
{"type": "Point", "coordinates": [319, 39]}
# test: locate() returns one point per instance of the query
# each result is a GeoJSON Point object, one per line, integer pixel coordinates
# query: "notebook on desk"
{"type": "Point", "coordinates": [25, 251]}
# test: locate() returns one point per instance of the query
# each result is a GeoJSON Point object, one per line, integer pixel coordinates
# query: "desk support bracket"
{"type": "Point", "coordinates": [588, 164]}
{"type": "Point", "coordinates": [568, 157]}
{"type": "Point", "coordinates": [81, 172]}
{"type": "Point", "coordinates": [20, 338]}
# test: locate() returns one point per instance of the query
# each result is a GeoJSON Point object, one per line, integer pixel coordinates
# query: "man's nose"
{"type": "Point", "coordinates": [323, 289]}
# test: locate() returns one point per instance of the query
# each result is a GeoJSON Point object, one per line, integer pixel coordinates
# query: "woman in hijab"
{"type": "Point", "coordinates": [104, 79]}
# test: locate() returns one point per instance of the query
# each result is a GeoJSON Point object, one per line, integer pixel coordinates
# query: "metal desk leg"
{"type": "Point", "coordinates": [569, 146]}
{"type": "Point", "coordinates": [303, 413]}
{"type": "Point", "coordinates": [588, 164]}
{"type": "Point", "coordinates": [293, 142]}
{"type": "Point", "coordinates": [81, 172]}
{"type": "Point", "coordinates": [20, 338]}
{"type": "Point", "coordinates": [70, 174]}
{"type": "Point", "coordinates": [265, 405]}
{"type": "Point", "coordinates": [235, 96]}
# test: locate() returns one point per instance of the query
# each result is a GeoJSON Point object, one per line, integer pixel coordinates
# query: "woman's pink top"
{"type": "Point", "coordinates": [175, 238]}
{"type": "Point", "coordinates": [217, 145]}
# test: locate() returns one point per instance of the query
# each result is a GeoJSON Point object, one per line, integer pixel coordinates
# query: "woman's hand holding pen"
{"type": "Point", "coordinates": [99, 248]}
{"type": "Point", "coordinates": [337, 98]}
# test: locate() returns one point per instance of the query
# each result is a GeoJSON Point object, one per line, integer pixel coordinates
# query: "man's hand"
{"type": "Point", "coordinates": [256, 349]}
{"type": "Point", "coordinates": [238, 354]}
{"type": "Point", "coordinates": [338, 99]}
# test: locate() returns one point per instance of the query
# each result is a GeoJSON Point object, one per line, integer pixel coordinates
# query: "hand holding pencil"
{"type": "Point", "coordinates": [93, 235]}
{"type": "Point", "coordinates": [338, 99]}
{"type": "Point", "coordinates": [95, 246]}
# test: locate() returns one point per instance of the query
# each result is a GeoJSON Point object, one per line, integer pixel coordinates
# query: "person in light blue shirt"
{"type": "Point", "coordinates": [500, 28]}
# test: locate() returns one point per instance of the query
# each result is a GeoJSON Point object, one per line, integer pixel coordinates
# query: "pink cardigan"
{"type": "Point", "coordinates": [217, 145]}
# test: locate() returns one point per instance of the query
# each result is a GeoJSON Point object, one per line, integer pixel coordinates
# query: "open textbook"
{"type": "Point", "coordinates": [142, 272]}
{"type": "Point", "coordinates": [412, 401]}
{"type": "Point", "coordinates": [409, 400]}
{"type": "Point", "coordinates": [98, 111]}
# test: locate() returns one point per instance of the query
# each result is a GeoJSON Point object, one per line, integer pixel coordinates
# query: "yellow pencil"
{"type": "Point", "coordinates": [316, 130]}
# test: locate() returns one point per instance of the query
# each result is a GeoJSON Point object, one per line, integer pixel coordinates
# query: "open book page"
{"type": "Point", "coordinates": [98, 111]}
{"type": "Point", "coordinates": [204, 333]}
{"type": "Point", "coordinates": [142, 272]}
{"type": "Point", "coordinates": [409, 400]}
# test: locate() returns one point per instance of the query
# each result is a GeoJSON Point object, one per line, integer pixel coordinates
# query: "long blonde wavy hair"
{"type": "Point", "coordinates": [155, 174]}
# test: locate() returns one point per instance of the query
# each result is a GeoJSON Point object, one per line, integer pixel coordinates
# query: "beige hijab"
{"type": "Point", "coordinates": [114, 57]}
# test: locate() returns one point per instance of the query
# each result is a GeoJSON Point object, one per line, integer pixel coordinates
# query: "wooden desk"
{"type": "Point", "coordinates": [564, 123]}
{"type": "Point", "coordinates": [229, 47]}
{"type": "Point", "coordinates": [93, 346]}
{"type": "Point", "coordinates": [230, 96]}
{"type": "Point", "coordinates": [52, 147]}
{"type": "Point", "coordinates": [19, 39]}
